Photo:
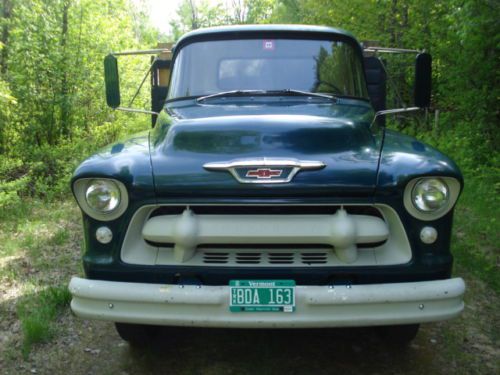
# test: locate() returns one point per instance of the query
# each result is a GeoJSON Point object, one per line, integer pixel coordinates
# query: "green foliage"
{"type": "Point", "coordinates": [57, 72]}
{"type": "Point", "coordinates": [194, 14]}
{"type": "Point", "coordinates": [12, 180]}
{"type": "Point", "coordinates": [52, 108]}
{"type": "Point", "coordinates": [7, 106]}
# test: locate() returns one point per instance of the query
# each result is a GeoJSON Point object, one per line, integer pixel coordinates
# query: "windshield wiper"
{"type": "Point", "coordinates": [293, 92]}
{"type": "Point", "coordinates": [231, 93]}
{"type": "Point", "coordinates": [287, 92]}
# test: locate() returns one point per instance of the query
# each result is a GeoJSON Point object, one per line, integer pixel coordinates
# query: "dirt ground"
{"type": "Point", "coordinates": [467, 345]}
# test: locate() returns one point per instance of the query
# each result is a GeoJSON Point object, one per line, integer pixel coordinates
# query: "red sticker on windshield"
{"type": "Point", "coordinates": [268, 45]}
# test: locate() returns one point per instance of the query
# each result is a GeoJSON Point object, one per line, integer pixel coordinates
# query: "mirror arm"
{"type": "Point", "coordinates": [391, 50]}
{"type": "Point", "coordinates": [136, 110]}
{"type": "Point", "coordinates": [141, 52]}
{"type": "Point", "coordinates": [393, 111]}
{"type": "Point", "coordinates": [393, 84]}
{"type": "Point", "coordinates": [142, 82]}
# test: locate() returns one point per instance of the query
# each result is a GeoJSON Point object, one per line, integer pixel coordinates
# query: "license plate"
{"type": "Point", "coordinates": [262, 296]}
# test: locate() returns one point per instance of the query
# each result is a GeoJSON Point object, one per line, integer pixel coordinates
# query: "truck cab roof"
{"type": "Point", "coordinates": [239, 31]}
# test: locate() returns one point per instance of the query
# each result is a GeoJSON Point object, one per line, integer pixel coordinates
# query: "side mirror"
{"type": "Point", "coordinates": [112, 81]}
{"type": "Point", "coordinates": [423, 80]}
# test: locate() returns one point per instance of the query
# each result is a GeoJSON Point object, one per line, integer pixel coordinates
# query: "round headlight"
{"type": "Point", "coordinates": [430, 194]}
{"type": "Point", "coordinates": [102, 195]}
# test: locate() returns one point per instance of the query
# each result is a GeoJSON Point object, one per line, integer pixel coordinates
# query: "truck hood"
{"type": "Point", "coordinates": [188, 137]}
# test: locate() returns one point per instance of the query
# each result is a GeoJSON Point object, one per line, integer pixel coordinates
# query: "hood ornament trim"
{"type": "Point", "coordinates": [267, 164]}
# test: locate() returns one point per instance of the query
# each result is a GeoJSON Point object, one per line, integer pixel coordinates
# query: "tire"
{"type": "Point", "coordinates": [398, 335]}
{"type": "Point", "coordinates": [137, 335]}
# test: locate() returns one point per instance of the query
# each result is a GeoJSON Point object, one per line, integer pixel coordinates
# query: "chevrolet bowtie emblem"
{"type": "Point", "coordinates": [264, 170]}
{"type": "Point", "coordinates": [264, 173]}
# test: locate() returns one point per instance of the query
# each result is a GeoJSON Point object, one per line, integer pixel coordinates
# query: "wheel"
{"type": "Point", "coordinates": [137, 335]}
{"type": "Point", "coordinates": [399, 335]}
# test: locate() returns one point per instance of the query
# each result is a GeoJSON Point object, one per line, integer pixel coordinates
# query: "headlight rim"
{"type": "Point", "coordinates": [454, 188]}
{"type": "Point", "coordinates": [80, 188]}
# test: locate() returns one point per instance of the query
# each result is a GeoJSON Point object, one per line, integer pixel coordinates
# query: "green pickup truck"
{"type": "Point", "coordinates": [268, 194]}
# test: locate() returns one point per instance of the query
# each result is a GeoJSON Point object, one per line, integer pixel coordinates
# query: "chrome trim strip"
{"type": "Point", "coordinates": [264, 162]}
{"type": "Point", "coordinates": [295, 164]}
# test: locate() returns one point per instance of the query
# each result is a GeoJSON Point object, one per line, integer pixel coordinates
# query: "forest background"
{"type": "Point", "coordinates": [53, 112]}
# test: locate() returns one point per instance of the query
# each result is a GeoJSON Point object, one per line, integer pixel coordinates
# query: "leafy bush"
{"type": "Point", "coordinates": [13, 181]}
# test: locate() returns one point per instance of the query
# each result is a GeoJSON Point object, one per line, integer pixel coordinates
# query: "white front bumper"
{"type": "Point", "coordinates": [316, 306]}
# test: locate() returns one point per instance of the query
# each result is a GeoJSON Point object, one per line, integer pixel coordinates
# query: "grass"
{"type": "Point", "coordinates": [37, 313]}
{"type": "Point", "coordinates": [476, 239]}
{"type": "Point", "coordinates": [39, 251]}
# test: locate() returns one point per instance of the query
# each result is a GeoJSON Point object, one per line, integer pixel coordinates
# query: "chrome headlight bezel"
{"type": "Point", "coordinates": [452, 186]}
{"type": "Point", "coordinates": [81, 188]}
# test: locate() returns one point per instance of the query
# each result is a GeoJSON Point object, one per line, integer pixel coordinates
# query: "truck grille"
{"type": "Point", "coordinates": [266, 236]}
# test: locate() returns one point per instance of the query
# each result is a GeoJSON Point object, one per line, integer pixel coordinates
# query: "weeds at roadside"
{"type": "Point", "coordinates": [39, 250]}
{"type": "Point", "coordinates": [475, 242]}
{"type": "Point", "coordinates": [37, 312]}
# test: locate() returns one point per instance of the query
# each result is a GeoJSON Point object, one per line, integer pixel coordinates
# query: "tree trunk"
{"type": "Point", "coordinates": [6, 15]}
{"type": "Point", "coordinates": [64, 79]}
{"type": "Point", "coordinates": [394, 23]}
{"type": "Point", "coordinates": [194, 15]}
{"type": "Point", "coordinates": [239, 11]}
{"type": "Point", "coordinates": [404, 25]}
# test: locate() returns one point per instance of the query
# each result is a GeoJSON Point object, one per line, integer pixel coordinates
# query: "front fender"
{"type": "Point", "coordinates": [404, 158]}
{"type": "Point", "coordinates": [128, 161]}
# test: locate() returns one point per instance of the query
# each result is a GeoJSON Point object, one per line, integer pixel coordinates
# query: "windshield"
{"type": "Point", "coordinates": [319, 66]}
